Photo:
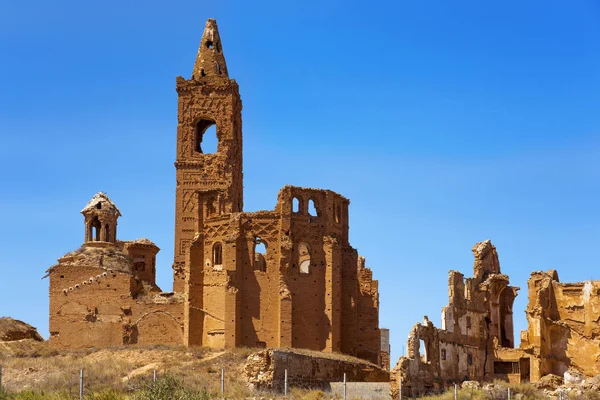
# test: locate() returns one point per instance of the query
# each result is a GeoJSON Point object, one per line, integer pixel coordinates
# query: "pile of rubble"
{"type": "Point", "coordinates": [574, 385]}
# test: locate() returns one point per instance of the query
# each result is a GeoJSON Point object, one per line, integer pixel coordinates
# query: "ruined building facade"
{"type": "Point", "coordinates": [563, 326]}
{"type": "Point", "coordinates": [286, 277]}
{"type": "Point", "coordinates": [477, 322]}
{"type": "Point", "coordinates": [476, 341]}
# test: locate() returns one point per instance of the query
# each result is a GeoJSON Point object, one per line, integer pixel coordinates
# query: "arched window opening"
{"type": "Point", "coordinates": [96, 228]}
{"type": "Point", "coordinates": [219, 68]}
{"type": "Point", "coordinates": [259, 255]}
{"type": "Point", "coordinates": [443, 356]}
{"type": "Point", "coordinates": [209, 44]}
{"type": "Point", "coordinates": [219, 47]}
{"type": "Point", "coordinates": [338, 213]}
{"type": "Point", "coordinates": [99, 205]}
{"type": "Point", "coordinates": [217, 256]}
{"type": "Point", "coordinates": [296, 205]}
{"type": "Point", "coordinates": [206, 136]}
{"type": "Point", "coordinates": [304, 258]}
{"type": "Point", "coordinates": [312, 208]}
{"type": "Point", "coordinates": [423, 347]}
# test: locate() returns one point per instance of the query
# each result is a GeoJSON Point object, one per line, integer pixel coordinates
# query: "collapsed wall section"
{"type": "Point", "coordinates": [267, 369]}
{"type": "Point", "coordinates": [476, 322]}
{"type": "Point", "coordinates": [563, 325]}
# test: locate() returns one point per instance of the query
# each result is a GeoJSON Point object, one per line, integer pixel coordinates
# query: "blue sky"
{"type": "Point", "coordinates": [444, 122]}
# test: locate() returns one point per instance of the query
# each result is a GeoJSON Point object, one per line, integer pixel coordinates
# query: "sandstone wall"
{"type": "Point", "coordinates": [475, 324]}
{"type": "Point", "coordinates": [266, 369]}
{"type": "Point", "coordinates": [291, 293]}
{"type": "Point", "coordinates": [564, 328]}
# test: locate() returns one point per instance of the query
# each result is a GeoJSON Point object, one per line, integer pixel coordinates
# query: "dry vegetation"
{"type": "Point", "coordinates": [32, 371]}
{"type": "Point", "coordinates": [499, 391]}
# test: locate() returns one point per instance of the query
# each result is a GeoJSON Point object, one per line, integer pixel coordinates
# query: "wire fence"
{"type": "Point", "coordinates": [343, 390]}
{"type": "Point", "coordinates": [79, 387]}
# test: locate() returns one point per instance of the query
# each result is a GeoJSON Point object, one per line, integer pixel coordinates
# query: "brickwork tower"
{"type": "Point", "coordinates": [286, 277]}
{"type": "Point", "coordinates": [208, 99]}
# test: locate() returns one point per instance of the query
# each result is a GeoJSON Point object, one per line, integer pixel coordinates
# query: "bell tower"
{"type": "Point", "coordinates": [209, 98]}
{"type": "Point", "coordinates": [101, 216]}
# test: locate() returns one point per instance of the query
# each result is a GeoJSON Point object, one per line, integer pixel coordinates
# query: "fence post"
{"type": "Point", "coordinates": [223, 382]}
{"type": "Point", "coordinates": [81, 384]}
{"type": "Point", "coordinates": [344, 386]}
{"type": "Point", "coordinates": [154, 376]}
{"type": "Point", "coordinates": [285, 384]}
{"type": "Point", "coordinates": [508, 393]}
{"type": "Point", "coordinates": [400, 388]}
{"type": "Point", "coordinates": [455, 391]}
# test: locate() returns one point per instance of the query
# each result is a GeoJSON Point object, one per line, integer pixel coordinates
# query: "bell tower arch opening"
{"type": "Point", "coordinates": [206, 140]}
{"type": "Point", "coordinates": [101, 216]}
{"type": "Point", "coordinates": [95, 227]}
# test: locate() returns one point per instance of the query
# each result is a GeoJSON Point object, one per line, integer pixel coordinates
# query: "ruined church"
{"type": "Point", "coordinates": [286, 277]}
{"type": "Point", "coordinates": [476, 340]}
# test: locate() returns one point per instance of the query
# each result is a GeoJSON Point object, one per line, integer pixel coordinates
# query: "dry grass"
{"type": "Point", "coordinates": [497, 391]}
{"type": "Point", "coordinates": [32, 372]}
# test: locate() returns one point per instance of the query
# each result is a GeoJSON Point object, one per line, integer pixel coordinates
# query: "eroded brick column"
{"type": "Point", "coordinates": [333, 260]}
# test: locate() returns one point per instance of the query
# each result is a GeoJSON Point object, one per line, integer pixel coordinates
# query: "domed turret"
{"type": "Point", "coordinates": [101, 216]}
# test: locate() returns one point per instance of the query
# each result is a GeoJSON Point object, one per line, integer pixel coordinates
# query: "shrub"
{"type": "Point", "coordinates": [170, 388]}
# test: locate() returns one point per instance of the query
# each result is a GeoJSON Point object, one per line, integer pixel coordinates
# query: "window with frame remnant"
{"type": "Point", "coordinates": [423, 351]}
{"type": "Point", "coordinates": [296, 205]}
{"type": "Point", "coordinates": [312, 208]}
{"type": "Point", "coordinates": [304, 258]}
{"type": "Point", "coordinates": [259, 255]}
{"type": "Point", "coordinates": [217, 256]}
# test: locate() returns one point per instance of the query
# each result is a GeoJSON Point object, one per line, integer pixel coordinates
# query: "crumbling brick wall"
{"type": "Point", "coordinates": [290, 295]}
{"type": "Point", "coordinates": [563, 330]}
{"type": "Point", "coordinates": [476, 322]}
{"type": "Point", "coordinates": [307, 288]}
{"type": "Point", "coordinates": [98, 307]}
{"type": "Point", "coordinates": [266, 369]}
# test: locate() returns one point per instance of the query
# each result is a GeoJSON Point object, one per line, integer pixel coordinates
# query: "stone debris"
{"type": "Point", "coordinates": [265, 369]}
